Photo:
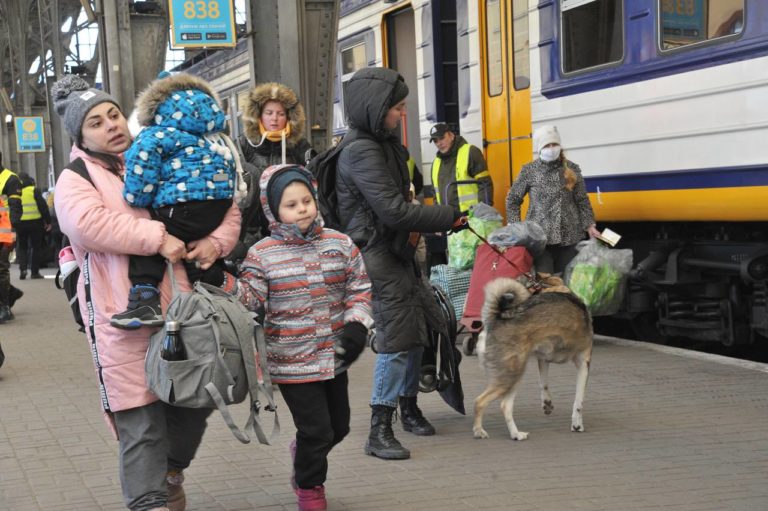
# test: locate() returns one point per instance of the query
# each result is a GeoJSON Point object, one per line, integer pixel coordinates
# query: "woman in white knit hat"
{"type": "Point", "coordinates": [558, 200]}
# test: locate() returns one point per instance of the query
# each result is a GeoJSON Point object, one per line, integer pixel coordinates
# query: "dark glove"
{"type": "Point", "coordinates": [460, 224]}
{"type": "Point", "coordinates": [351, 342]}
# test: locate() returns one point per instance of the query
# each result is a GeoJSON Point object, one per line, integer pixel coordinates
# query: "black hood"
{"type": "Point", "coordinates": [368, 97]}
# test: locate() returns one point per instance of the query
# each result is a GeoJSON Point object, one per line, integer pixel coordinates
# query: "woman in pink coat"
{"type": "Point", "coordinates": [157, 441]}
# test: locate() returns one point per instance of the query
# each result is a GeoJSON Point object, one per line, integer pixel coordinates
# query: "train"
{"type": "Point", "coordinates": [662, 103]}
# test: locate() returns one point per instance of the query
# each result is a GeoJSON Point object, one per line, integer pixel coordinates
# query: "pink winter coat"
{"type": "Point", "coordinates": [99, 222]}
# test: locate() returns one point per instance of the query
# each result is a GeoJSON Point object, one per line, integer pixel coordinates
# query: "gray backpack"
{"type": "Point", "coordinates": [218, 335]}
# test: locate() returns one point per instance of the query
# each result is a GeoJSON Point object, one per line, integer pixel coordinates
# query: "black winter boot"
{"type": "Point", "coordinates": [5, 315]}
{"type": "Point", "coordinates": [381, 439]}
{"type": "Point", "coordinates": [413, 420]}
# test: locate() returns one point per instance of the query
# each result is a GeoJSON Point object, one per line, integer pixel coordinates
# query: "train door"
{"type": "Point", "coordinates": [506, 91]}
{"type": "Point", "coordinates": [400, 45]}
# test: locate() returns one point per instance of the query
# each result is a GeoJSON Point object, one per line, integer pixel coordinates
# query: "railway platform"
{"type": "Point", "coordinates": [666, 429]}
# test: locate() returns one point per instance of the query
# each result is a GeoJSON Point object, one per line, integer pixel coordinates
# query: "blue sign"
{"type": "Point", "coordinates": [202, 23]}
{"type": "Point", "coordinates": [30, 137]}
{"type": "Point", "coordinates": [683, 21]}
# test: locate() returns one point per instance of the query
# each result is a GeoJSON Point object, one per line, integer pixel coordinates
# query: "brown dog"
{"type": "Point", "coordinates": [554, 327]}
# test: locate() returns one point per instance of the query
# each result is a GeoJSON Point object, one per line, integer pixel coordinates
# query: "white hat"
{"type": "Point", "coordinates": [547, 134]}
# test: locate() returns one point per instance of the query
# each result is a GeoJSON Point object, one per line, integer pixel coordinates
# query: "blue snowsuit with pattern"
{"type": "Point", "coordinates": [172, 161]}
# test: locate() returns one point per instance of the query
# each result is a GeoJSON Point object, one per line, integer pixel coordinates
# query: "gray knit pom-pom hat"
{"type": "Point", "coordinates": [73, 98]}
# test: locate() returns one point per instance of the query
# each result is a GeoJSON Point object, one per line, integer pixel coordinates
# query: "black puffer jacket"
{"type": "Point", "coordinates": [372, 186]}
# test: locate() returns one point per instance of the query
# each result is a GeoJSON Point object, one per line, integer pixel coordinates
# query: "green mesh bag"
{"type": "Point", "coordinates": [462, 245]}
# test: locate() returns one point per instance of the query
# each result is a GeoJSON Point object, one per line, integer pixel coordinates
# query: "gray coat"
{"type": "Point", "coordinates": [372, 186]}
{"type": "Point", "coordinates": [564, 215]}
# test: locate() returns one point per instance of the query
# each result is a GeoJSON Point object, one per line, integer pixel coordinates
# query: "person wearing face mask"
{"type": "Point", "coordinates": [273, 124]}
{"type": "Point", "coordinates": [558, 200]}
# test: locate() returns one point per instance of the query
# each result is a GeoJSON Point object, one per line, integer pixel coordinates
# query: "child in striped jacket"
{"type": "Point", "coordinates": [312, 284]}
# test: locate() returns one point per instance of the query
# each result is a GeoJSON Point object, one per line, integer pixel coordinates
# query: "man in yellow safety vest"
{"type": "Point", "coordinates": [10, 215]}
{"type": "Point", "coordinates": [458, 161]}
{"type": "Point", "coordinates": [30, 231]}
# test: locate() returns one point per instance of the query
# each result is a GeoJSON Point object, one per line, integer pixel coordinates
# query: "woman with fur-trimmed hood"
{"type": "Point", "coordinates": [274, 134]}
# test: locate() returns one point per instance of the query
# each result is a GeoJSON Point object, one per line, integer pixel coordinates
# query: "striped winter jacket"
{"type": "Point", "coordinates": [310, 285]}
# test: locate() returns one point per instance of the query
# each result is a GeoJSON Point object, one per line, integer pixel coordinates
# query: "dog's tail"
{"type": "Point", "coordinates": [500, 296]}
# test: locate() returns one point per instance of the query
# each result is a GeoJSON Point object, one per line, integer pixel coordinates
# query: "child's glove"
{"type": "Point", "coordinates": [351, 342]}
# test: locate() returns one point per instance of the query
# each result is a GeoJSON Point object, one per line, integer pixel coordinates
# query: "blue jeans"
{"type": "Point", "coordinates": [396, 374]}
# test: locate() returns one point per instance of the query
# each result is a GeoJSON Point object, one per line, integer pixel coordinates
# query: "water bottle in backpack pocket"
{"type": "Point", "coordinates": [219, 367]}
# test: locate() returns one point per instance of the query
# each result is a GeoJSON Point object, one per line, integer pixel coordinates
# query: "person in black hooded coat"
{"type": "Point", "coordinates": [372, 187]}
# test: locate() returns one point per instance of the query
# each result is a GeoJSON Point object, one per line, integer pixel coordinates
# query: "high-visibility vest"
{"type": "Point", "coordinates": [467, 193]}
{"type": "Point", "coordinates": [29, 204]}
{"type": "Point", "coordinates": [411, 168]}
{"type": "Point", "coordinates": [6, 230]}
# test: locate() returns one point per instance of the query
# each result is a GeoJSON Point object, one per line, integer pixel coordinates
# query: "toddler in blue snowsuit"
{"type": "Point", "coordinates": [184, 169]}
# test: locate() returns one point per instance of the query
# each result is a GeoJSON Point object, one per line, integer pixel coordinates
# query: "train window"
{"type": "Point", "coordinates": [494, 47]}
{"type": "Point", "coordinates": [242, 102]}
{"type": "Point", "coordinates": [684, 22]}
{"type": "Point", "coordinates": [592, 33]}
{"type": "Point", "coordinates": [353, 59]}
{"type": "Point", "coordinates": [520, 41]}
{"type": "Point", "coordinates": [225, 109]}
{"type": "Point", "coordinates": [354, 52]}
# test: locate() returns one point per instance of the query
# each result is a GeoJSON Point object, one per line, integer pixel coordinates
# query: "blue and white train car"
{"type": "Point", "coordinates": [663, 104]}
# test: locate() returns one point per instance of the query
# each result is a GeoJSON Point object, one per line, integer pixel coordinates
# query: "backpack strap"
{"type": "Point", "coordinates": [265, 385]}
{"type": "Point", "coordinates": [78, 167]}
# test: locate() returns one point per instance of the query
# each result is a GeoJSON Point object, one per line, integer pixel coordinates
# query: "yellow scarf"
{"type": "Point", "coordinates": [275, 136]}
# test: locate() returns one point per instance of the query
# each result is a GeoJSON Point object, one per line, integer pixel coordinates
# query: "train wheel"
{"type": "Point", "coordinates": [645, 329]}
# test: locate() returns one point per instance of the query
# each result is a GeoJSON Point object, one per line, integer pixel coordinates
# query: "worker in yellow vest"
{"type": "Point", "coordinates": [30, 231]}
{"type": "Point", "coordinates": [457, 160]}
{"type": "Point", "coordinates": [10, 215]}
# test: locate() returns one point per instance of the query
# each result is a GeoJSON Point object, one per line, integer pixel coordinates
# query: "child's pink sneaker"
{"type": "Point", "coordinates": [312, 499]}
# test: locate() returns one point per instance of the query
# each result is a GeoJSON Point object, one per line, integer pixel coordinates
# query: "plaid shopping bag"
{"type": "Point", "coordinates": [454, 282]}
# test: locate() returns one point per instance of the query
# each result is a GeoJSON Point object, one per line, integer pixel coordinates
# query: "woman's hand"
{"type": "Point", "coordinates": [592, 231]}
{"type": "Point", "coordinates": [172, 249]}
{"type": "Point", "coordinates": [204, 251]}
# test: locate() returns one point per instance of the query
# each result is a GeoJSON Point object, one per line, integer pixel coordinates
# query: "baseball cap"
{"type": "Point", "coordinates": [438, 130]}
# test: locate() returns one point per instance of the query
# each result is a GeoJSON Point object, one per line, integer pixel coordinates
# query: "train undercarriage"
{"type": "Point", "coordinates": [707, 282]}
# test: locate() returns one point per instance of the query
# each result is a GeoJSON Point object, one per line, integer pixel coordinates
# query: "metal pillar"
{"type": "Point", "coordinates": [111, 68]}
{"type": "Point", "coordinates": [53, 67]}
{"type": "Point", "coordinates": [18, 23]}
{"type": "Point", "coordinates": [299, 36]}
{"type": "Point", "coordinates": [134, 47]}
{"type": "Point", "coordinates": [149, 34]}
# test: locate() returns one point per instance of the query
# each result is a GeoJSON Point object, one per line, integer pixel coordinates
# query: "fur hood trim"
{"type": "Point", "coordinates": [258, 97]}
{"type": "Point", "coordinates": [159, 90]}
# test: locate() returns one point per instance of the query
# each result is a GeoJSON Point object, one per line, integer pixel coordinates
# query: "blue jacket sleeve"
{"type": "Point", "coordinates": [143, 163]}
